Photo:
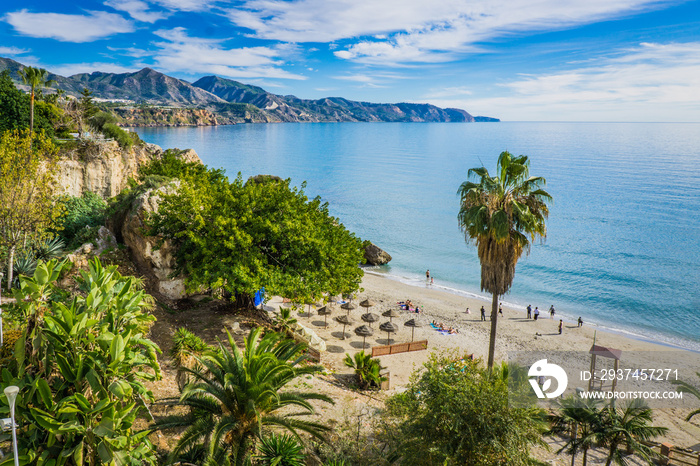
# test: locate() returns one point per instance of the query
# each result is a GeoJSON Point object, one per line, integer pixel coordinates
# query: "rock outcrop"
{"type": "Point", "coordinates": [157, 264]}
{"type": "Point", "coordinates": [375, 255]}
{"type": "Point", "coordinates": [104, 168]}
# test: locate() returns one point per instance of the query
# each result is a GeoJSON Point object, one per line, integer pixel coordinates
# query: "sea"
{"type": "Point", "coordinates": [623, 236]}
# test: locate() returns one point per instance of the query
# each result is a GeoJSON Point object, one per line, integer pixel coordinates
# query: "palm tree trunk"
{"type": "Point", "coordinates": [494, 321]}
{"type": "Point", "coordinates": [585, 456]}
{"type": "Point", "coordinates": [241, 451]}
{"type": "Point", "coordinates": [574, 436]}
{"type": "Point", "coordinates": [31, 113]}
{"type": "Point", "coordinates": [609, 461]}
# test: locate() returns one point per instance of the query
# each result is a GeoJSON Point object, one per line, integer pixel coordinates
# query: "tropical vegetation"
{"type": "Point", "coordinates": [686, 387]}
{"type": "Point", "coordinates": [36, 79]}
{"type": "Point", "coordinates": [235, 396]}
{"type": "Point", "coordinates": [367, 369]}
{"type": "Point", "coordinates": [502, 214]}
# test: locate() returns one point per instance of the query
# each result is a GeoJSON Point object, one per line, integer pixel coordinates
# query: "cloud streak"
{"type": "Point", "coordinates": [651, 82]}
{"type": "Point", "coordinates": [404, 31]}
{"type": "Point", "coordinates": [68, 28]}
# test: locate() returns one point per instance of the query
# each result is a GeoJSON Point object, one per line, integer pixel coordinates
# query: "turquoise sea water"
{"type": "Point", "coordinates": [623, 244]}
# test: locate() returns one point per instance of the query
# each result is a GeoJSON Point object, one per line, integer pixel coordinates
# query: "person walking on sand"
{"type": "Point", "coordinates": [529, 311]}
{"type": "Point", "coordinates": [483, 313]}
{"type": "Point", "coordinates": [561, 326]}
{"type": "Point", "coordinates": [551, 311]}
{"type": "Point", "coordinates": [580, 322]}
{"type": "Point", "coordinates": [537, 312]}
{"type": "Point", "coordinates": [500, 309]}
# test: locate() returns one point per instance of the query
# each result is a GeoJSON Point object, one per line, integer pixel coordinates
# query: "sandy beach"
{"type": "Point", "coordinates": [516, 334]}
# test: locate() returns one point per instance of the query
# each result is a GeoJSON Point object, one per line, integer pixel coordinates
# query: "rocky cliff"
{"type": "Point", "coordinates": [104, 168]}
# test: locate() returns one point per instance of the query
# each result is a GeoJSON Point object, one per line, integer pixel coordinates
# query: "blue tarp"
{"type": "Point", "coordinates": [259, 297]}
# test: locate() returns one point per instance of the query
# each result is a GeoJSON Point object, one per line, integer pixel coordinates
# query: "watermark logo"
{"type": "Point", "coordinates": [543, 373]}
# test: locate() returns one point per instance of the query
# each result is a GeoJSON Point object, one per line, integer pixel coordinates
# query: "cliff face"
{"type": "Point", "coordinates": [104, 168]}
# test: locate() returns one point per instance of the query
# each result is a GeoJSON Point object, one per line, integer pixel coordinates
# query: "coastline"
{"type": "Point", "coordinates": [660, 339]}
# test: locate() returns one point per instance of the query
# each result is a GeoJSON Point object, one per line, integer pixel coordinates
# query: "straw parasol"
{"type": "Point", "coordinates": [348, 307]}
{"type": "Point", "coordinates": [369, 318]}
{"type": "Point", "coordinates": [413, 323]}
{"type": "Point", "coordinates": [367, 303]}
{"type": "Point", "coordinates": [364, 332]}
{"type": "Point", "coordinates": [389, 327]}
{"type": "Point", "coordinates": [325, 311]}
{"type": "Point", "coordinates": [391, 313]}
{"type": "Point", "coordinates": [345, 320]}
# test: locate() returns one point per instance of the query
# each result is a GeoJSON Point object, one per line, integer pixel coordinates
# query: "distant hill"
{"type": "Point", "coordinates": [232, 101]}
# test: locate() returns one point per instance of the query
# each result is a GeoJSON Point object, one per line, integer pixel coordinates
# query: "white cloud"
{"type": "Point", "coordinates": [416, 30]}
{"type": "Point", "coordinates": [69, 69]}
{"type": "Point", "coordinates": [137, 9]}
{"type": "Point", "coordinates": [185, 5]}
{"type": "Point", "coordinates": [68, 28]}
{"type": "Point", "coordinates": [12, 51]}
{"type": "Point", "coordinates": [448, 92]}
{"type": "Point", "coordinates": [192, 55]}
{"type": "Point", "coordinates": [652, 82]}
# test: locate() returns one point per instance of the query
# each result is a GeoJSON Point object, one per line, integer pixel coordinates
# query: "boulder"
{"type": "Point", "coordinates": [157, 264]}
{"type": "Point", "coordinates": [375, 255]}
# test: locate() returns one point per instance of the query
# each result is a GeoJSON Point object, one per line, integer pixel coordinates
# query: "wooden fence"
{"type": "Point", "coordinates": [399, 348]}
{"type": "Point", "coordinates": [674, 456]}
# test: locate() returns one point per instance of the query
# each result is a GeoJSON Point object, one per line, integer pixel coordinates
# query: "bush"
{"type": "Point", "coordinates": [113, 131]}
{"type": "Point", "coordinates": [82, 215]}
{"type": "Point", "coordinates": [100, 119]}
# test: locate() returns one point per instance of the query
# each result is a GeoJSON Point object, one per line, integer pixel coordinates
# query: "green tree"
{"type": "Point", "coordinates": [35, 78]}
{"type": "Point", "coordinates": [14, 107]}
{"type": "Point", "coordinates": [581, 420]}
{"type": "Point", "coordinates": [236, 394]}
{"type": "Point", "coordinates": [241, 237]}
{"type": "Point", "coordinates": [455, 411]}
{"type": "Point", "coordinates": [502, 214]}
{"type": "Point", "coordinates": [685, 387]}
{"type": "Point", "coordinates": [27, 206]}
{"type": "Point", "coordinates": [625, 429]}
{"type": "Point", "coordinates": [366, 369]}
{"type": "Point", "coordinates": [80, 215]}
{"type": "Point", "coordinates": [81, 365]}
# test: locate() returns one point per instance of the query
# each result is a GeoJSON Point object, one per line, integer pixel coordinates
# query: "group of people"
{"type": "Point", "coordinates": [441, 326]}
{"type": "Point", "coordinates": [409, 306]}
{"type": "Point", "coordinates": [536, 313]}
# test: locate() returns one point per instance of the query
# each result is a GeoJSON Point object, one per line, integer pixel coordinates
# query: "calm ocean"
{"type": "Point", "coordinates": [623, 243]}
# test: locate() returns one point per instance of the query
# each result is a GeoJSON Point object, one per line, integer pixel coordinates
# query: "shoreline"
{"type": "Point", "coordinates": [419, 283]}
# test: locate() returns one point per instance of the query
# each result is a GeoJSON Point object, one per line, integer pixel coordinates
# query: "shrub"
{"type": "Point", "coordinates": [81, 213]}
{"type": "Point", "coordinates": [100, 119]}
{"type": "Point", "coordinates": [280, 450]}
{"type": "Point", "coordinates": [113, 131]}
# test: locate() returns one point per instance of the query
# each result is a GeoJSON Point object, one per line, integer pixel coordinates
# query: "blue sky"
{"type": "Point", "coordinates": [556, 60]}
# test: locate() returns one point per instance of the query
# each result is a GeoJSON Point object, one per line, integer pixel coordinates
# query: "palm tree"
{"type": "Point", "coordinates": [502, 214]}
{"type": "Point", "coordinates": [685, 387]}
{"type": "Point", "coordinates": [35, 78]}
{"type": "Point", "coordinates": [367, 369]}
{"type": "Point", "coordinates": [581, 418]}
{"type": "Point", "coordinates": [628, 427]}
{"type": "Point", "coordinates": [235, 394]}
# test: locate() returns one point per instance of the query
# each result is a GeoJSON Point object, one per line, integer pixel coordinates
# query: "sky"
{"type": "Point", "coordinates": [517, 60]}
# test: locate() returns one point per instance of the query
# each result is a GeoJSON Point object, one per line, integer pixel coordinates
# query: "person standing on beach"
{"type": "Point", "coordinates": [500, 309]}
{"type": "Point", "coordinates": [432, 280]}
{"type": "Point", "coordinates": [580, 322]}
{"type": "Point", "coordinates": [537, 312]}
{"type": "Point", "coordinates": [561, 326]}
{"type": "Point", "coordinates": [483, 313]}
{"type": "Point", "coordinates": [427, 275]}
{"type": "Point", "coordinates": [551, 311]}
{"type": "Point", "coordinates": [529, 311]}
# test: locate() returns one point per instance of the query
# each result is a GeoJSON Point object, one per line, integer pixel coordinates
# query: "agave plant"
{"type": "Point", "coordinates": [24, 265]}
{"type": "Point", "coordinates": [49, 249]}
{"type": "Point", "coordinates": [280, 450]}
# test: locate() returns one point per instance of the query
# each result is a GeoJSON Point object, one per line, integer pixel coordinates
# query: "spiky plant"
{"type": "Point", "coordinates": [49, 249]}
{"type": "Point", "coordinates": [280, 450]}
{"type": "Point", "coordinates": [685, 387]}
{"type": "Point", "coordinates": [366, 369]}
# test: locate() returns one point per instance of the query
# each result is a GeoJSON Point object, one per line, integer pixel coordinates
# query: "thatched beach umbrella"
{"type": "Point", "coordinates": [389, 327]}
{"type": "Point", "coordinates": [325, 311]}
{"type": "Point", "coordinates": [348, 307]}
{"type": "Point", "coordinates": [391, 313]}
{"type": "Point", "coordinates": [345, 320]}
{"type": "Point", "coordinates": [367, 303]}
{"type": "Point", "coordinates": [369, 318]}
{"type": "Point", "coordinates": [413, 323]}
{"type": "Point", "coordinates": [364, 332]}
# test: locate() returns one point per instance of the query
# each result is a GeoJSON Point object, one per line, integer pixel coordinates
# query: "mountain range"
{"type": "Point", "coordinates": [232, 101]}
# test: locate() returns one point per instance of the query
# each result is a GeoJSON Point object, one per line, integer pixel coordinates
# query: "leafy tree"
{"type": "Point", "coordinates": [236, 394]}
{"type": "Point", "coordinates": [14, 107]}
{"type": "Point", "coordinates": [26, 192]}
{"type": "Point", "coordinates": [685, 387]}
{"type": "Point", "coordinates": [581, 419]}
{"type": "Point", "coordinates": [366, 369]}
{"type": "Point", "coordinates": [456, 412]}
{"type": "Point", "coordinates": [502, 214]}
{"type": "Point", "coordinates": [241, 237]}
{"type": "Point", "coordinates": [625, 429]}
{"type": "Point", "coordinates": [81, 366]}
{"type": "Point", "coordinates": [87, 106]}
{"type": "Point", "coordinates": [35, 78]}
